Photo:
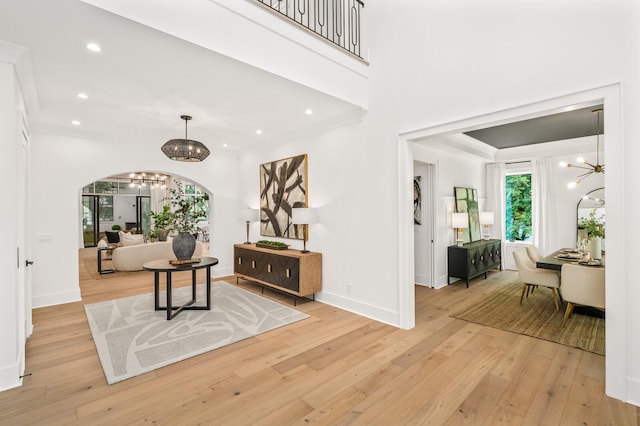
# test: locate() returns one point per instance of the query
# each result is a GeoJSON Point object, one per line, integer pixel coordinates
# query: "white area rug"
{"type": "Point", "coordinates": [132, 338]}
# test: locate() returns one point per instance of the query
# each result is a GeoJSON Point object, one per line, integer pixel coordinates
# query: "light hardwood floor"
{"type": "Point", "coordinates": [333, 368]}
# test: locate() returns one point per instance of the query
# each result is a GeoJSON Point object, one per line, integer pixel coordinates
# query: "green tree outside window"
{"type": "Point", "coordinates": [518, 207]}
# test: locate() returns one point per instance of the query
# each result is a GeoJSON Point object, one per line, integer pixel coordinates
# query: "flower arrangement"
{"type": "Point", "coordinates": [593, 225]}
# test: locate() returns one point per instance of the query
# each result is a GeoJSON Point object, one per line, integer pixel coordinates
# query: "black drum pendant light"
{"type": "Point", "coordinates": [185, 149]}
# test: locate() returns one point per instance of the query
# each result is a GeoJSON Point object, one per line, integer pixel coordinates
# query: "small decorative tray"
{"type": "Point", "coordinates": [184, 262]}
{"type": "Point", "coordinates": [272, 247]}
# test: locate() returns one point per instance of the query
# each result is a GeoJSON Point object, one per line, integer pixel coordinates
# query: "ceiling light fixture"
{"type": "Point", "coordinates": [94, 47]}
{"type": "Point", "coordinates": [258, 132]}
{"type": "Point", "coordinates": [185, 149]}
{"type": "Point", "coordinates": [83, 95]}
{"type": "Point", "coordinates": [75, 122]}
{"type": "Point", "coordinates": [582, 163]}
{"type": "Point", "coordinates": [141, 179]}
{"type": "Point", "coordinates": [308, 111]}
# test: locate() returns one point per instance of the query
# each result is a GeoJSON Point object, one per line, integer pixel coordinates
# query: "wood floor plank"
{"type": "Point", "coordinates": [549, 403]}
{"type": "Point", "coordinates": [480, 403]}
{"type": "Point", "coordinates": [525, 385]}
{"type": "Point", "coordinates": [335, 368]}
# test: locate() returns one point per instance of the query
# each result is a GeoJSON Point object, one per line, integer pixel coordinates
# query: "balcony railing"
{"type": "Point", "coordinates": [337, 21]}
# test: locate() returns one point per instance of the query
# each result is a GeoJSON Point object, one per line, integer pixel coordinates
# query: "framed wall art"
{"type": "Point", "coordinates": [417, 200]}
{"type": "Point", "coordinates": [467, 202]}
{"type": "Point", "coordinates": [283, 186]}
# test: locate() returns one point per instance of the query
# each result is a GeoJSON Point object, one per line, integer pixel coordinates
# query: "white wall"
{"type": "Point", "coordinates": [452, 169]}
{"type": "Point", "coordinates": [73, 162]}
{"type": "Point", "coordinates": [124, 210]}
{"type": "Point", "coordinates": [350, 186]}
{"type": "Point", "coordinates": [10, 321]}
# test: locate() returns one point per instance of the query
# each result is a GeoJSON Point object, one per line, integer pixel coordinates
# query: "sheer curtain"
{"type": "Point", "coordinates": [495, 185]}
{"type": "Point", "coordinates": [543, 209]}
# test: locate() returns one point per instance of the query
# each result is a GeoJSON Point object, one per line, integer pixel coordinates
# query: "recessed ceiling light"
{"type": "Point", "coordinates": [259, 131]}
{"type": "Point", "coordinates": [308, 111]}
{"type": "Point", "coordinates": [94, 47]}
{"type": "Point", "coordinates": [75, 122]}
{"type": "Point", "coordinates": [83, 96]}
{"type": "Point", "coordinates": [225, 145]}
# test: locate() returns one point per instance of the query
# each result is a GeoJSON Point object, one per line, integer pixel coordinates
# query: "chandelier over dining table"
{"type": "Point", "coordinates": [584, 164]}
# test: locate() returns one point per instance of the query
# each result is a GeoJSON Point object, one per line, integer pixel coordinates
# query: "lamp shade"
{"type": "Point", "coordinates": [459, 220]}
{"type": "Point", "coordinates": [249, 215]}
{"type": "Point", "coordinates": [486, 218]}
{"type": "Point", "coordinates": [303, 216]}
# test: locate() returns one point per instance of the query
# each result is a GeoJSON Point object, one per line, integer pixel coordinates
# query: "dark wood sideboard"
{"type": "Point", "coordinates": [290, 271]}
{"type": "Point", "coordinates": [473, 259]}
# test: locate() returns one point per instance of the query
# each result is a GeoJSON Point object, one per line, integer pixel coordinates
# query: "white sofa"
{"type": "Point", "coordinates": [131, 258]}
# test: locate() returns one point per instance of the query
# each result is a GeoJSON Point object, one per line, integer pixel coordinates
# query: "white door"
{"type": "Point", "coordinates": [424, 216]}
{"type": "Point", "coordinates": [22, 206]}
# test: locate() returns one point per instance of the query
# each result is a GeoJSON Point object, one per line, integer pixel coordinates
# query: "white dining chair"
{"type": "Point", "coordinates": [534, 253]}
{"type": "Point", "coordinates": [532, 276]}
{"type": "Point", "coordinates": [582, 285]}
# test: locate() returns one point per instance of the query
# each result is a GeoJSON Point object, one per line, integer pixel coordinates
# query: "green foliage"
{"type": "Point", "coordinates": [116, 227]}
{"type": "Point", "coordinates": [186, 214]}
{"type": "Point", "coordinates": [162, 221]}
{"type": "Point", "coordinates": [518, 207]}
{"type": "Point", "coordinates": [593, 225]}
{"type": "Point", "coordinates": [272, 243]}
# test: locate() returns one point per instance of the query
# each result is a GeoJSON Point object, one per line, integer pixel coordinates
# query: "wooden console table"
{"type": "Point", "coordinates": [289, 271]}
{"type": "Point", "coordinates": [473, 259]}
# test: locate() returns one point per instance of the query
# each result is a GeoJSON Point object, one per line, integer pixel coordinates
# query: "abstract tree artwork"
{"type": "Point", "coordinates": [467, 202]}
{"type": "Point", "coordinates": [417, 200]}
{"type": "Point", "coordinates": [283, 186]}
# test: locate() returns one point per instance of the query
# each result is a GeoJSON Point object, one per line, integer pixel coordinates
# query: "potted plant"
{"type": "Point", "coordinates": [116, 227]}
{"type": "Point", "coordinates": [185, 219]}
{"type": "Point", "coordinates": [162, 222]}
{"type": "Point", "coordinates": [594, 226]}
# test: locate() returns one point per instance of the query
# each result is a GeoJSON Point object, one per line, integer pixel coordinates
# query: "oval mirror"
{"type": "Point", "coordinates": [590, 201]}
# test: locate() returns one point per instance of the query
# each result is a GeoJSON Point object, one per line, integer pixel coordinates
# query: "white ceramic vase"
{"type": "Point", "coordinates": [596, 248]}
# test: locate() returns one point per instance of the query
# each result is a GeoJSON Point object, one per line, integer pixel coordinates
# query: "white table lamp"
{"type": "Point", "coordinates": [459, 221]}
{"type": "Point", "coordinates": [486, 219]}
{"type": "Point", "coordinates": [249, 215]}
{"type": "Point", "coordinates": [304, 216]}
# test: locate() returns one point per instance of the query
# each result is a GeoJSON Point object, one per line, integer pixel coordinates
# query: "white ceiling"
{"type": "Point", "coordinates": [143, 80]}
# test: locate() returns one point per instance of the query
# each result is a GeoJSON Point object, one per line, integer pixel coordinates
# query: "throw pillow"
{"type": "Point", "coordinates": [128, 239]}
{"type": "Point", "coordinates": [112, 237]}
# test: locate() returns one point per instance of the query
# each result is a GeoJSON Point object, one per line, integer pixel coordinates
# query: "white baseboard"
{"type": "Point", "coordinates": [370, 311]}
{"type": "Point", "coordinates": [219, 273]}
{"type": "Point", "coordinates": [421, 280]}
{"type": "Point", "coordinates": [55, 298]}
{"type": "Point", "coordinates": [633, 391]}
{"type": "Point", "coordinates": [10, 376]}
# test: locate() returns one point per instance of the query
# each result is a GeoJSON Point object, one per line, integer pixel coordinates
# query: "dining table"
{"type": "Point", "coordinates": [555, 260]}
